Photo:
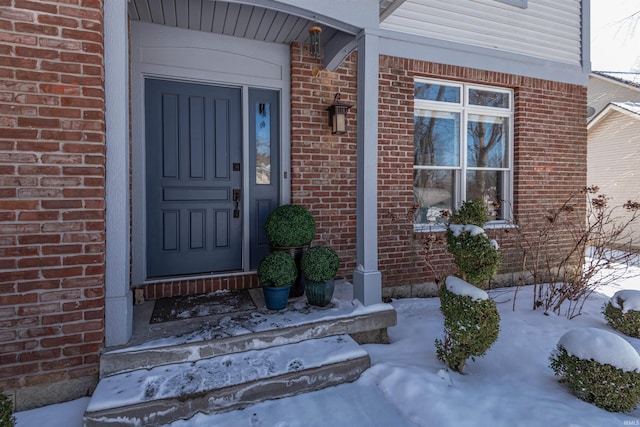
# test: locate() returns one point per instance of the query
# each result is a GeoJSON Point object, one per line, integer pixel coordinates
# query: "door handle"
{"type": "Point", "coordinates": [236, 198]}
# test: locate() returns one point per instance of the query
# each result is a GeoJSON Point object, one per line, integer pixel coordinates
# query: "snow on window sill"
{"type": "Point", "coordinates": [441, 228]}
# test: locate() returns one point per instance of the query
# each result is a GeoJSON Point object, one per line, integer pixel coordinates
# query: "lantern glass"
{"type": "Point", "coordinates": [339, 122]}
{"type": "Point", "coordinates": [338, 116]}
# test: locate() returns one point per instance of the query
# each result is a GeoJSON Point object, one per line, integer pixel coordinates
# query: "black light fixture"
{"type": "Point", "coordinates": [314, 41]}
{"type": "Point", "coordinates": [338, 115]}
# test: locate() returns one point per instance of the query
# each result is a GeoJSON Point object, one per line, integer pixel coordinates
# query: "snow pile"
{"type": "Point", "coordinates": [630, 300]}
{"type": "Point", "coordinates": [462, 288]}
{"type": "Point", "coordinates": [601, 346]}
{"type": "Point", "coordinates": [458, 229]}
{"type": "Point", "coordinates": [474, 230]}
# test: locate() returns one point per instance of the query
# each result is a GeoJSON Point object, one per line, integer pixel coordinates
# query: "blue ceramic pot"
{"type": "Point", "coordinates": [276, 298]}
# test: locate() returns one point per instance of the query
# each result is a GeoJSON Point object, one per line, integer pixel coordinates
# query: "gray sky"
{"type": "Point", "coordinates": [615, 43]}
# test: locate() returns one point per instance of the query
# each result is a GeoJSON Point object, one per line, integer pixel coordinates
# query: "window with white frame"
{"type": "Point", "coordinates": [463, 144]}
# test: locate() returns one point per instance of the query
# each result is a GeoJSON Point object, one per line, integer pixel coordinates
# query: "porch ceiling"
{"type": "Point", "coordinates": [229, 18]}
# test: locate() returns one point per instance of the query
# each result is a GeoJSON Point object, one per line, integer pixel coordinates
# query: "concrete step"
{"type": "Point", "coordinates": [188, 341]}
{"type": "Point", "coordinates": [163, 394]}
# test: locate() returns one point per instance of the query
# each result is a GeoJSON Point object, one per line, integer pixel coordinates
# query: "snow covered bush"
{"type": "Point", "coordinates": [622, 312]}
{"type": "Point", "coordinates": [599, 367]}
{"type": "Point", "coordinates": [477, 257]}
{"type": "Point", "coordinates": [6, 412]}
{"type": "Point", "coordinates": [471, 323]}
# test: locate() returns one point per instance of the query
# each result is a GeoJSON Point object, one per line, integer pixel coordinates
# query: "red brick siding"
{"type": "Point", "coordinates": [171, 288]}
{"type": "Point", "coordinates": [550, 156]}
{"type": "Point", "coordinates": [52, 230]}
{"type": "Point", "coordinates": [323, 166]}
{"type": "Point", "coordinates": [549, 149]}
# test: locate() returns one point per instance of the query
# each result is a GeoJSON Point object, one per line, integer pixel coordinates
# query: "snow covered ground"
{"type": "Point", "coordinates": [407, 386]}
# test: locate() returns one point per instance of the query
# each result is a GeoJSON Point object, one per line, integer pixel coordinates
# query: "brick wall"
{"type": "Point", "coordinates": [549, 147]}
{"type": "Point", "coordinates": [52, 228]}
{"type": "Point", "coordinates": [323, 166]}
{"type": "Point", "coordinates": [549, 150]}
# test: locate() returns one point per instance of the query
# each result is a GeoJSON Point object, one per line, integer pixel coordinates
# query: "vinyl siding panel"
{"type": "Point", "coordinates": [613, 156]}
{"type": "Point", "coordinates": [547, 29]}
{"type": "Point", "coordinates": [602, 91]}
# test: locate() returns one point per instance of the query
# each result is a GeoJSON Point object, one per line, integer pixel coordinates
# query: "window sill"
{"type": "Point", "coordinates": [441, 228]}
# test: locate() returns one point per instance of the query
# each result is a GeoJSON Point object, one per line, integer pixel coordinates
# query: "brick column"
{"type": "Point", "coordinates": [52, 174]}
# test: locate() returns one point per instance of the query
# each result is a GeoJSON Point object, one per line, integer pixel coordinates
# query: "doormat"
{"type": "Point", "coordinates": [189, 306]}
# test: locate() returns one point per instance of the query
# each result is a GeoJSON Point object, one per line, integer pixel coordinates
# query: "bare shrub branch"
{"type": "Point", "coordinates": [575, 248]}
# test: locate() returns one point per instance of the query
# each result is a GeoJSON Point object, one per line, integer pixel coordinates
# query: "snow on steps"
{"type": "Point", "coordinates": [151, 397]}
{"type": "Point", "coordinates": [254, 331]}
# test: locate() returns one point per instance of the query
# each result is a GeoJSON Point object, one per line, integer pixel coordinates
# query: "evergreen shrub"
{"type": "Point", "coordinates": [628, 323]}
{"type": "Point", "coordinates": [290, 226]}
{"type": "Point", "coordinates": [470, 328]}
{"type": "Point", "coordinates": [277, 269]}
{"type": "Point", "coordinates": [604, 385]}
{"type": "Point", "coordinates": [6, 412]}
{"type": "Point", "coordinates": [476, 257]}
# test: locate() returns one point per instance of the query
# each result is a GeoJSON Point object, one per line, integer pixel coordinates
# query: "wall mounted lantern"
{"type": "Point", "coordinates": [314, 41]}
{"type": "Point", "coordinates": [338, 115]}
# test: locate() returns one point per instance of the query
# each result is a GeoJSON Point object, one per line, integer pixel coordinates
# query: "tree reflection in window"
{"type": "Point", "coordinates": [461, 147]}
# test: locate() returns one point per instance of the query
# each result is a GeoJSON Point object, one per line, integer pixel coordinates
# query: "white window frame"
{"type": "Point", "coordinates": [465, 110]}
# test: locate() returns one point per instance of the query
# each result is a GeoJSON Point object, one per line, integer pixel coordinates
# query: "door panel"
{"type": "Point", "coordinates": [193, 136]}
{"type": "Point", "coordinates": [264, 166]}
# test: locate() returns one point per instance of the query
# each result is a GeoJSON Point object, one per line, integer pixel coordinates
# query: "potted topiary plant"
{"type": "Point", "coordinates": [319, 266]}
{"type": "Point", "coordinates": [291, 228]}
{"type": "Point", "coordinates": [277, 272]}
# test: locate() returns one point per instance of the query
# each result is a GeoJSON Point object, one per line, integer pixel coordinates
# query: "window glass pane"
{"type": "Point", "coordinates": [263, 143]}
{"type": "Point", "coordinates": [436, 137]}
{"type": "Point", "coordinates": [436, 92]}
{"type": "Point", "coordinates": [487, 186]}
{"type": "Point", "coordinates": [433, 191]}
{"type": "Point", "coordinates": [487, 141]}
{"type": "Point", "coordinates": [488, 98]}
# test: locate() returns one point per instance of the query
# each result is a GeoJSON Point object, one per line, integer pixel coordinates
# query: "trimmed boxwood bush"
{"type": "Point", "coordinates": [277, 269]}
{"type": "Point", "coordinates": [320, 263]}
{"type": "Point", "coordinates": [6, 412]}
{"type": "Point", "coordinates": [603, 385]}
{"type": "Point", "coordinates": [626, 321]}
{"type": "Point", "coordinates": [476, 257]}
{"type": "Point", "coordinates": [471, 327]}
{"type": "Point", "coordinates": [290, 226]}
{"type": "Point", "coordinates": [471, 212]}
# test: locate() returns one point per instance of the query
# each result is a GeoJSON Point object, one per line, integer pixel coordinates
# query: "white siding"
{"type": "Point", "coordinates": [547, 29]}
{"type": "Point", "coordinates": [613, 156]}
{"type": "Point", "coordinates": [602, 91]}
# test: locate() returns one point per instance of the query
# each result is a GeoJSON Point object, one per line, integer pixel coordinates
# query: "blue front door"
{"type": "Point", "coordinates": [193, 178]}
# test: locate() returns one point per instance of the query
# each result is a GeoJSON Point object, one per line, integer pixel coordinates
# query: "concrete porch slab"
{"type": "Point", "coordinates": [205, 337]}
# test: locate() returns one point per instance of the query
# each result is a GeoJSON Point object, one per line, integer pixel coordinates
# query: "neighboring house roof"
{"type": "Point", "coordinates": [606, 87]}
{"type": "Point", "coordinates": [630, 79]}
{"type": "Point", "coordinates": [631, 109]}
